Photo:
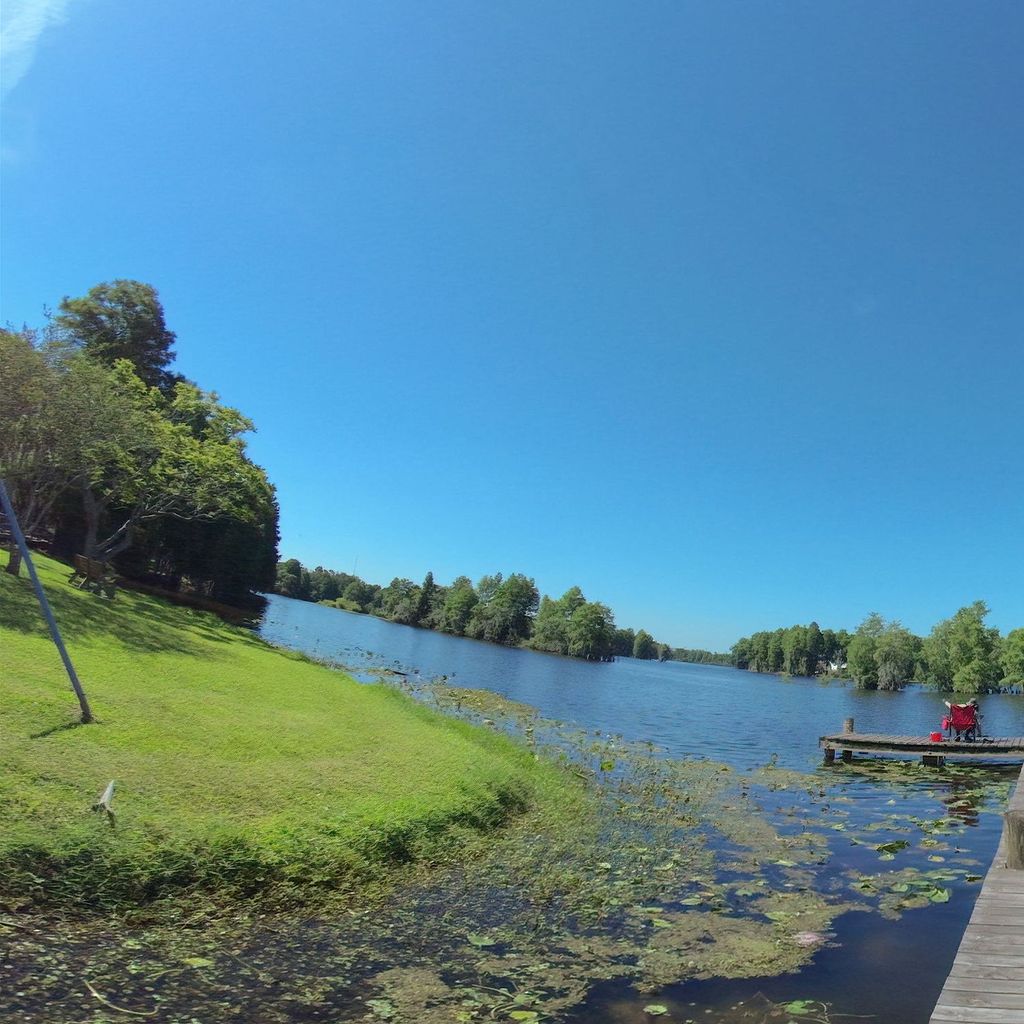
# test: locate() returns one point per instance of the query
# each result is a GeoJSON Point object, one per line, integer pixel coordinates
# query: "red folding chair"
{"type": "Point", "coordinates": [963, 720]}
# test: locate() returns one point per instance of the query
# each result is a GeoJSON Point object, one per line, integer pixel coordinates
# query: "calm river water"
{"type": "Point", "coordinates": [892, 970]}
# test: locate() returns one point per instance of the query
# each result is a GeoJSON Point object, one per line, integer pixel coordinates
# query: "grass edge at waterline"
{"type": "Point", "coordinates": [242, 770]}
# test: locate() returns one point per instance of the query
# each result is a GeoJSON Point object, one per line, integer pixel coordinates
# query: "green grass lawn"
{"type": "Point", "coordinates": [240, 769]}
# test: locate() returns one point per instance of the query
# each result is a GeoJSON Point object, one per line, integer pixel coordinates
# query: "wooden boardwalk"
{"type": "Point", "coordinates": [1003, 748]}
{"type": "Point", "coordinates": [986, 983]}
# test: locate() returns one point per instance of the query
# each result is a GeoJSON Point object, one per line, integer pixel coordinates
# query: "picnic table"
{"type": "Point", "coordinates": [92, 574]}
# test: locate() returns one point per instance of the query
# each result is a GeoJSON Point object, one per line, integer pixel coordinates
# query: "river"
{"type": "Point", "coordinates": [888, 969]}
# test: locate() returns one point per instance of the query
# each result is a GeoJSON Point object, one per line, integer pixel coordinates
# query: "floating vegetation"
{"type": "Point", "coordinates": [648, 872]}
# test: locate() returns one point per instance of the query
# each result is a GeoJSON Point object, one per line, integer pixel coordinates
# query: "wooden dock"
{"type": "Point", "coordinates": [986, 983]}
{"type": "Point", "coordinates": [848, 742]}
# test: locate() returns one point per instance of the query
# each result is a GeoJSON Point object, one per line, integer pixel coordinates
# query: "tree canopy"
{"type": "Point", "coordinates": [1012, 658]}
{"type": "Point", "coordinates": [882, 654]}
{"type": "Point", "coordinates": [106, 451]}
{"type": "Point", "coordinates": [963, 654]}
{"type": "Point", "coordinates": [645, 646]}
{"type": "Point", "coordinates": [798, 650]}
{"type": "Point", "coordinates": [122, 319]}
{"type": "Point", "coordinates": [574, 626]}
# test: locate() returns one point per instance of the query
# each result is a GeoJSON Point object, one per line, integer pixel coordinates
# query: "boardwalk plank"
{"type": "Point", "coordinates": [1010, 915]}
{"type": "Point", "coordinates": [1000, 878]}
{"type": "Point", "coordinates": [1001, 902]}
{"type": "Point", "coordinates": [969, 963]}
{"type": "Point", "coordinates": [997, 892]}
{"type": "Point", "coordinates": [991, 942]}
{"type": "Point", "coordinates": [983, 983]}
{"type": "Point", "coordinates": [976, 1015]}
{"type": "Point", "coordinates": [990, 1000]}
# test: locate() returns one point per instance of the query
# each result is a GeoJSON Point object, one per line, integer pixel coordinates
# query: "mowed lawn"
{"type": "Point", "coordinates": [239, 769]}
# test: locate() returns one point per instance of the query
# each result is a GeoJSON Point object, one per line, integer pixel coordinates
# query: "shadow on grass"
{"type": "Point", "coordinates": [138, 622]}
{"type": "Point", "coordinates": [63, 727]}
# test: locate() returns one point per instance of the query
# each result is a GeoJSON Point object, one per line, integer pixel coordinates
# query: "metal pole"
{"type": "Point", "coordinates": [26, 555]}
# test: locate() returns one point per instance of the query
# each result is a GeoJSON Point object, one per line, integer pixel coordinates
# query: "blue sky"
{"type": "Point", "coordinates": [714, 309]}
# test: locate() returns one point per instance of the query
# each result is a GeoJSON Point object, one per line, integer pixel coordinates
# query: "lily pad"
{"type": "Point", "coordinates": [799, 1006]}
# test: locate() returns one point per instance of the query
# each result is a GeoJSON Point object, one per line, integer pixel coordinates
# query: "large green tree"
{"type": "Point", "coordinates": [794, 651]}
{"type": "Point", "coordinates": [815, 648]}
{"type": "Point", "coordinates": [882, 654]}
{"type": "Point", "coordinates": [149, 462]}
{"type": "Point", "coordinates": [427, 600]}
{"type": "Point", "coordinates": [459, 601]}
{"type": "Point", "coordinates": [550, 628]}
{"type": "Point", "coordinates": [399, 600]}
{"type": "Point", "coordinates": [1011, 658]}
{"type": "Point", "coordinates": [644, 646]}
{"type": "Point", "coordinates": [574, 626]}
{"type": "Point", "coordinates": [30, 429]}
{"type": "Point", "coordinates": [232, 552]}
{"type": "Point", "coordinates": [895, 650]}
{"type": "Point", "coordinates": [622, 644]}
{"type": "Point", "coordinates": [71, 427]}
{"type": "Point", "coordinates": [105, 451]}
{"type": "Point", "coordinates": [551, 625]}
{"type": "Point", "coordinates": [122, 319]}
{"type": "Point", "coordinates": [363, 596]}
{"type": "Point", "coordinates": [292, 580]}
{"type": "Point", "coordinates": [507, 616]}
{"type": "Point", "coordinates": [861, 654]}
{"type": "Point", "coordinates": [591, 632]}
{"type": "Point", "coordinates": [962, 653]}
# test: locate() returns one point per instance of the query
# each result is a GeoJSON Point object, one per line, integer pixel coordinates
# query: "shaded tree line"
{"type": "Point", "coordinates": [501, 609]}
{"type": "Point", "coordinates": [108, 453]}
{"type": "Point", "coordinates": [961, 655]}
{"type": "Point", "coordinates": [796, 650]}
{"type": "Point", "coordinates": [697, 656]}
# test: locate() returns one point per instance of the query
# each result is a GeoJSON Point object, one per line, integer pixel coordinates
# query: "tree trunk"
{"type": "Point", "coordinates": [14, 560]}
{"type": "Point", "coordinates": [115, 544]}
{"type": "Point", "coordinates": [91, 511]}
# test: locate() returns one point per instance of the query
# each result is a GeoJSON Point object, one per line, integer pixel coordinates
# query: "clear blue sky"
{"type": "Point", "coordinates": [714, 309]}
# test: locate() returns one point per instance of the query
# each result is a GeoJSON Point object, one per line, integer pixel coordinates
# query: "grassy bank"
{"type": "Point", "coordinates": [240, 769]}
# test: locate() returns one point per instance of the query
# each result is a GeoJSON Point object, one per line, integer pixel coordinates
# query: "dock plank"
{"type": "Point", "coordinates": [977, 983]}
{"type": "Point", "coordinates": [975, 1015]}
{"type": "Point", "coordinates": [989, 999]}
{"type": "Point", "coordinates": [970, 963]}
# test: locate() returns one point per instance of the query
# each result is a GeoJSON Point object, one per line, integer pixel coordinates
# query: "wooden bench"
{"type": "Point", "coordinates": [92, 574]}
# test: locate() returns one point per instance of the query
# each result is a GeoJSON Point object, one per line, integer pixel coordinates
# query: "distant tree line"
{"type": "Point", "coordinates": [501, 609]}
{"type": "Point", "coordinates": [961, 654]}
{"type": "Point", "coordinates": [797, 650]}
{"type": "Point", "coordinates": [108, 453]}
{"type": "Point", "coordinates": [701, 657]}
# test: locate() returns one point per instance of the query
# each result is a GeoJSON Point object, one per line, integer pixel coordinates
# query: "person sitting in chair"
{"type": "Point", "coordinates": [964, 720]}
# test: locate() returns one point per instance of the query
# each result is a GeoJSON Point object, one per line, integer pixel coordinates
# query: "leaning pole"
{"type": "Point", "coordinates": [26, 556]}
